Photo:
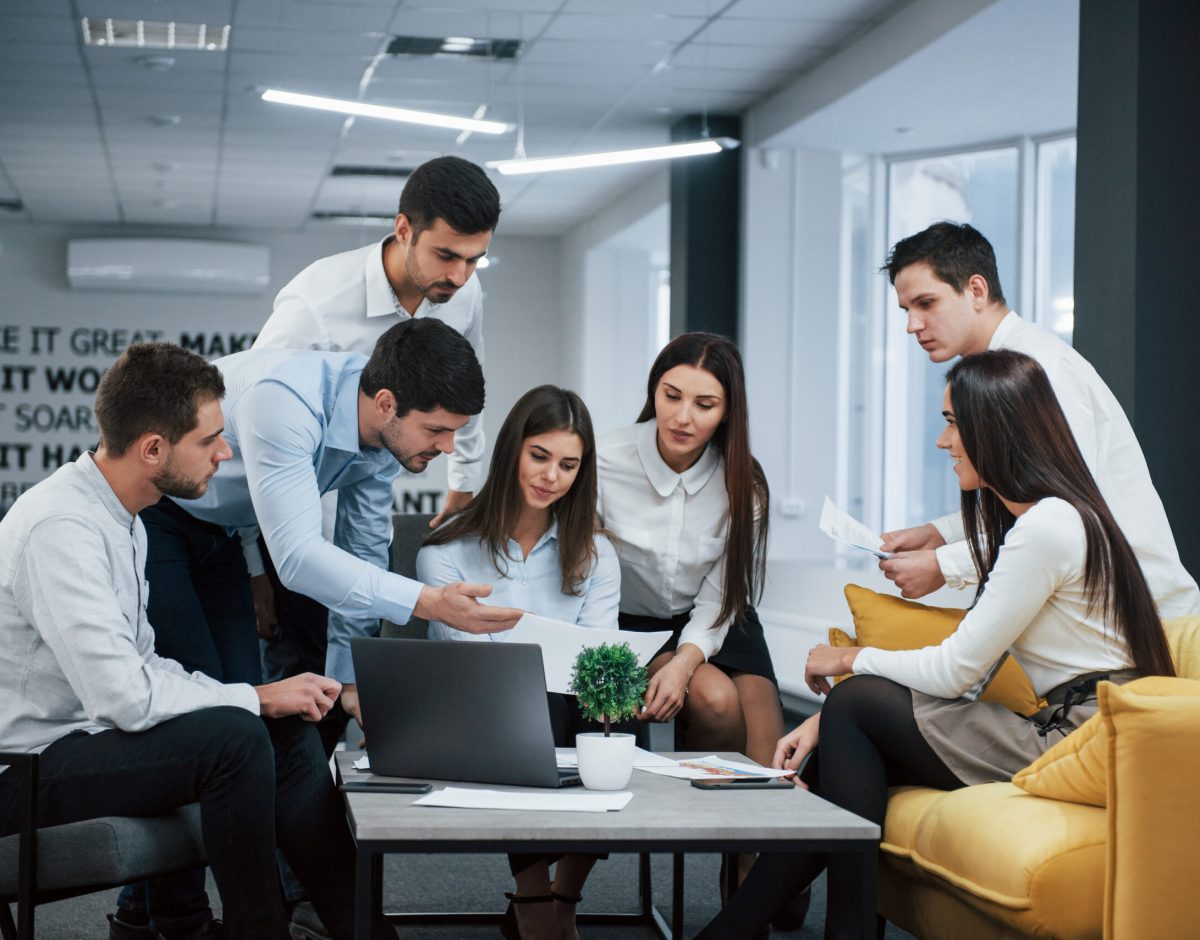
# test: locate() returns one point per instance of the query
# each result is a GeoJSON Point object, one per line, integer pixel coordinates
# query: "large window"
{"type": "Point", "coordinates": [1021, 196]}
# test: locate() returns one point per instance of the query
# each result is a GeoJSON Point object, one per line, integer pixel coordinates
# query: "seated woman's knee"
{"type": "Point", "coordinates": [713, 695]}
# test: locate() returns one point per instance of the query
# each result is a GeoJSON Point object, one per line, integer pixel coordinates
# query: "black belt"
{"type": "Point", "coordinates": [1067, 696]}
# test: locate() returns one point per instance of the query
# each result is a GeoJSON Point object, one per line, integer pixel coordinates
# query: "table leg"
{"type": "Point", "coordinates": [368, 891]}
{"type": "Point", "coordinates": [868, 864]}
{"type": "Point", "coordinates": [677, 896]}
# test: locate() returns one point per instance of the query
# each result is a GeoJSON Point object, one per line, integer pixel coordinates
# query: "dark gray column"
{"type": "Point", "coordinates": [706, 208]}
{"type": "Point", "coordinates": [1137, 233]}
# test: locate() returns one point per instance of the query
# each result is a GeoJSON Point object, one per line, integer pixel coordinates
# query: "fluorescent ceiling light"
{"type": "Point", "coordinates": [691, 148]}
{"type": "Point", "coordinates": [154, 34]}
{"type": "Point", "coordinates": [342, 106]}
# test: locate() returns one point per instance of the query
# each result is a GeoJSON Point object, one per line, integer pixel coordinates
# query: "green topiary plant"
{"type": "Point", "coordinates": [609, 682]}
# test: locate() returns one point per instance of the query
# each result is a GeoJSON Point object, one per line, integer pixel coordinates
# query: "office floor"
{"type": "Point", "coordinates": [477, 883]}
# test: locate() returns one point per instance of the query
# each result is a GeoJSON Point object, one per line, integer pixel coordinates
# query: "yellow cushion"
{"type": "Point", "coordinates": [1001, 845]}
{"type": "Point", "coordinates": [892, 623]}
{"type": "Point", "coordinates": [1153, 772]}
{"type": "Point", "coordinates": [1076, 768]}
{"type": "Point", "coordinates": [1183, 636]}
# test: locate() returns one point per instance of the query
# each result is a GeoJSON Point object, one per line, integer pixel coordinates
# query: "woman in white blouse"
{"type": "Point", "coordinates": [686, 504]}
{"type": "Point", "coordinates": [1061, 591]}
{"type": "Point", "coordinates": [532, 533]}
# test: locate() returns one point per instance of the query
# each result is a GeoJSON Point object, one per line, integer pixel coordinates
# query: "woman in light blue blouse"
{"type": "Point", "coordinates": [532, 533]}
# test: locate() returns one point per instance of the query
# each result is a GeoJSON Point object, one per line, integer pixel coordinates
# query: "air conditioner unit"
{"type": "Point", "coordinates": [177, 266]}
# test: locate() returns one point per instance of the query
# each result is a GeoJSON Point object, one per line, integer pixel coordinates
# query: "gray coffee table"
{"type": "Point", "coordinates": [665, 815]}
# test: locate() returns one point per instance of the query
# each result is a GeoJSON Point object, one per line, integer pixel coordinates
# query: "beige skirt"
{"type": "Point", "coordinates": [984, 742]}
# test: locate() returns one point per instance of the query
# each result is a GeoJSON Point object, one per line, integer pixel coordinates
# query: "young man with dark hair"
{"type": "Point", "coordinates": [945, 278]}
{"type": "Point", "coordinates": [424, 268]}
{"type": "Point", "coordinates": [123, 731]}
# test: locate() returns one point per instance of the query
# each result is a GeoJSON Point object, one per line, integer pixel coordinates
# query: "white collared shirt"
{"type": "Point", "coordinates": [532, 582]}
{"type": "Point", "coordinates": [1035, 605]}
{"type": "Point", "coordinates": [344, 303]}
{"type": "Point", "coordinates": [669, 530]}
{"type": "Point", "coordinates": [76, 649]}
{"type": "Point", "coordinates": [1112, 453]}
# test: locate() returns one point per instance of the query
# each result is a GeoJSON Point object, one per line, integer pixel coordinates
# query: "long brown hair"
{"type": "Point", "coordinates": [493, 514]}
{"type": "Point", "coordinates": [1015, 434]}
{"type": "Point", "coordinates": [745, 482]}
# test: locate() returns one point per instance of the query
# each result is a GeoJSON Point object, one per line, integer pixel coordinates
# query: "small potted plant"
{"type": "Point", "coordinates": [610, 685]}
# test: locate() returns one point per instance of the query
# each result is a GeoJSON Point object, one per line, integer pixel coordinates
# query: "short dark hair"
{"type": "Point", "coordinates": [955, 252]}
{"type": "Point", "coordinates": [153, 387]}
{"type": "Point", "coordinates": [452, 189]}
{"type": "Point", "coordinates": [426, 365]}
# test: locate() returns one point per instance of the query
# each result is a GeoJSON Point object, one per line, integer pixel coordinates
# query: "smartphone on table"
{"type": "Point", "coordinates": [745, 783]}
{"type": "Point", "coordinates": [376, 785]}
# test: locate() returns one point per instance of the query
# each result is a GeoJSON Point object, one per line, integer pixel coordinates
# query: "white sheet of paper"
{"type": "Point", "coordinates": [567, 757]}
{"type": "Point", "coordinates": [363, 763]}
{"type": "Point", "coordinates": [843, 527]}
{"type": "Point", "coordinates": [561, 642]}
{"type": "Point", "coordinates": [713, 768]}
{"type": "Point", "coordinates": [585, 802]}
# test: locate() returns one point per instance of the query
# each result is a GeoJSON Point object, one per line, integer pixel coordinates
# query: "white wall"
{"type": "Point", "coordinates": [606, 264]}
{"type": "Point", "coordinates": [90, 328]}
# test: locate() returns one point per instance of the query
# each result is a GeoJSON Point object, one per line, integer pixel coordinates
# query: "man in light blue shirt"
{"type": "Point", "coordinates": [302, 423]}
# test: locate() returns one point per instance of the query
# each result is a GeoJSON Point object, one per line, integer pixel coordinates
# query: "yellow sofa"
{"type": "Point", "coordinates": [993, 861]}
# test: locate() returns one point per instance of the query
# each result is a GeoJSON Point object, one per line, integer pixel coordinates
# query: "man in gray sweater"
{"type": "Point", "coordinates": [124, 732]}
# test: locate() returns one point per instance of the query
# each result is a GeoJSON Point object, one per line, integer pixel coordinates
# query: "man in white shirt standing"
{"type": "Point", "coordinates": [424, 268]}
{"type": "Point", "coordinates": [946, 279]}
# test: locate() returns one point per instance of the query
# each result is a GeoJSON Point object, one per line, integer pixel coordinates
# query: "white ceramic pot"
{"type": "Point", "coordinates": [605, 763]}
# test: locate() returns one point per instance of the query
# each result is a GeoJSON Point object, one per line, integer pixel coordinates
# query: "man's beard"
{"type": "Point", "coordinates": [170, 483]}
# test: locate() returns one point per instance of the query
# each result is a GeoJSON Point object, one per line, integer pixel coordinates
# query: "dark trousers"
{"type": "Point", "coordinates": [298, 646]}
{"type": "Point", "coordinates": [258, 783]}
{"type": "Point", "coordinates": [202, 613]}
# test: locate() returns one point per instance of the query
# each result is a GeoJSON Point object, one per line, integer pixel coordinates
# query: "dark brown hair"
{"type": "Point", "coordinates": [955, 251]}
{"type": "Point", "coordinates": [153, 387]}
{"type": "Point", "coordinates": [453, 189]}
{"type": "Point", "coordinates": [745, 482]}
{"type": "Point", "coordinates": [493, 514]}
{"type": "Point", "coordinates": [1015, 434]}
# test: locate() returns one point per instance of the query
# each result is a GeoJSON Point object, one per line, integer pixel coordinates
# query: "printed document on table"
{"type": "Point", "coordinates": [713, 768]}
{"type": "Point", "coordinates": [843, 527]}
{"type": "Point", "coordinates": [585, 802]}
{"type": "Point", "coordinates": [561, 642]}
{"type": "Point", "coordinates": [567, 757]}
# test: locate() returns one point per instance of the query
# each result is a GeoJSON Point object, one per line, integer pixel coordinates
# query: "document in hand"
{"type": "Point", "coordinates": [843, 527]}
{"type": "Point", "coordinates": [561, 643]}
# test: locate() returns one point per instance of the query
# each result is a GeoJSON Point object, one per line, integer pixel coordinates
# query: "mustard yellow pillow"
{"type": "Point", "coordinates": [893, 623]}
{"type": "Point", "coordinates": [1183, 636]}
{"type": "Point", "coordinates": [1076, 769]}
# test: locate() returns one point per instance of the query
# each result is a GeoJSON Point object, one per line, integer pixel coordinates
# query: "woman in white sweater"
{"type": "Point", "coordinates": [1060, 590]}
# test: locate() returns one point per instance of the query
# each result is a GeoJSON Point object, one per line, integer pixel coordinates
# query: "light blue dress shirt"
{"type": "Point", "coordinates": [291, 417]}
{"type": "Point", "coordinates": [533, 584]}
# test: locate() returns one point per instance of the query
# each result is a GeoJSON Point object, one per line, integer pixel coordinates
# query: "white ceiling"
{"type": "Point", "coordinates": [1010, 70]}
{"type": "Point", "coordinates": [77, 141]}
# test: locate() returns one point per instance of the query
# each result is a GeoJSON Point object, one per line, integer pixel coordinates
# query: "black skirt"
{"type": "Point", "coordinates": [744, 649]}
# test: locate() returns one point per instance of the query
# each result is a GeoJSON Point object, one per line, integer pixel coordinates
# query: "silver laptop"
{"type": "Point", "coordinates": [445, 710]}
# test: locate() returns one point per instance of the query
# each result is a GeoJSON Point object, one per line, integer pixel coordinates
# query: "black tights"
{"type": "Point", "coordinates": [869, 741]}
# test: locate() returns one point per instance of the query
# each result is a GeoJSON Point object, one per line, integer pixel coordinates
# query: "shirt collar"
{"type": "Point", "coordinates": [381, 299]}
{"type": "Point", "coordinates": [86, 463]}
{"type": "Point", "coordinates": [1004, 330]}
{"type": "Point", "coordinates": [663, 478]}
{"type": "Point", "coordinates": [550, 533]}
{"type": "Point", "coordinates": [342, 431]}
